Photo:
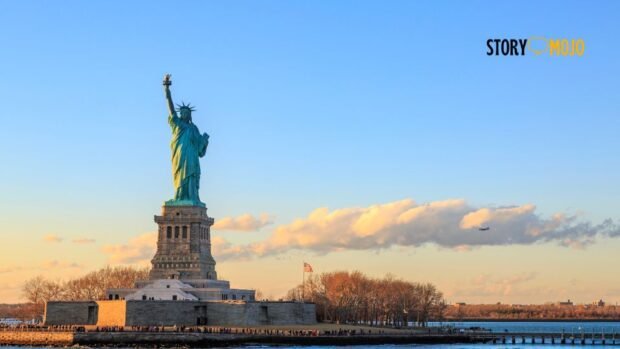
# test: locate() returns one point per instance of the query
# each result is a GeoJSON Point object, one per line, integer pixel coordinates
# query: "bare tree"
{"type": "Point", "coordinates": [352, 297]}
{"type": "Point", "coordinates": [53, 290]}
{"type": "Point", "coordinates": [34, 290]}
{"type": "Point", "coordinates": [91, 286]}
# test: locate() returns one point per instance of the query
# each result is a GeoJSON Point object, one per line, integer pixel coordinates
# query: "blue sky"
{"type": "Point", "coordinates": [308, 104]}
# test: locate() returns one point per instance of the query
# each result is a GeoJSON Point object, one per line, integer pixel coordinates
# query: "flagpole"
{"type": "Point", "coordinates": [303, 282]}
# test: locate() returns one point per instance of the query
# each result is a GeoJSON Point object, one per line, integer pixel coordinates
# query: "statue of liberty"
{"type": "Point", "coordinates": [187, 146]}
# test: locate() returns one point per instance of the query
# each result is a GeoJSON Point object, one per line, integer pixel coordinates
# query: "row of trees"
{"type": "Point", "coordinates": [352, 297]}
{"type": "Point", "coordinates": [532, 311]}
{"type": "Point", "coordinates": [20, 311]}
{"type": "Point", "coordinates": [91, 286]}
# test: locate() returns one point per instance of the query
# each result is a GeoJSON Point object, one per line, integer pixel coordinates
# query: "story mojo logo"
{"type": "Point", "coordinates": [537, 45]}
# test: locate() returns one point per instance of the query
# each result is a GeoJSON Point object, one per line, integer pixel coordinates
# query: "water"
{"type": "Point", "coordinates": [421, 346]}
{"type": "Point", "coordinates": [443, 346]}
{"type": "Point", "coordinates": [390, 346]}
{"type": "Point", "coordinates": [576, 327]}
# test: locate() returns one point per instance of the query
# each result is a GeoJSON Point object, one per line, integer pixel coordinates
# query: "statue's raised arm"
{"type": "Point", "coordinates": [167, 82]}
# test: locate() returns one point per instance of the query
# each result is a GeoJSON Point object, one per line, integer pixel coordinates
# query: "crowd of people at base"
{"type": "Point", "coordinates": [224, 330]}
{"type": "Point", "coordinates": [40, 328]}
{"type": "Point", "coordinates": [341, 332]}
{"type": "Point", "coordinates": [199, 329]}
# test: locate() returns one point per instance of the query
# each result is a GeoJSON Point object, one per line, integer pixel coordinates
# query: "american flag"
{"type": "Point", "coordinates": [307, 268]}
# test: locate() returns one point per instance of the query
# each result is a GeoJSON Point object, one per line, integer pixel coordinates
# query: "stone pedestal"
{"type": "Point", "coordinates": [183, 244]}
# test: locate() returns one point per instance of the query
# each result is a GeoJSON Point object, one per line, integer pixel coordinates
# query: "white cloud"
{"type": "Point", "coordinates": [450, 223]}
{"type": "Point", "coordinates": [222, 249]}
{"type": "Point", "coordinates": [245, 222]}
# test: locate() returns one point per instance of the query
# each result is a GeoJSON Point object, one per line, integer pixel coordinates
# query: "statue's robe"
{"type": "Point", "coordinates": [187, 146]}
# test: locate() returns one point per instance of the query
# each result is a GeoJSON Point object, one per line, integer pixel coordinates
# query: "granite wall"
{"type": "Point", "coordinates": [260, 313]}
{"type": "Point", "coordinates": [162, 312]}
{"type": "Point", "coordinates": [188, 313]}
{"type": "Point", "coordinates": [71, 313]}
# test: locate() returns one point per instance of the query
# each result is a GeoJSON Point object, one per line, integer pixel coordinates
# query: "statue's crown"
{"type": "Point", "coordinates": [185, 106]}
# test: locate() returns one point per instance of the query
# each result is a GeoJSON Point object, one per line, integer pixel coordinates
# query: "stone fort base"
{"type": "Point", "coordinates": [180, 313]}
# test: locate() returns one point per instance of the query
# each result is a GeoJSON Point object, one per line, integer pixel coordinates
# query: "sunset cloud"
{"type": "Point", "coordinates": [52, 238]}
{"type": "Point", "coordinates": [139, 250]}
{"type": "Point", "coordinates": [223, 250]}
{"type": "Point", "coordinates": [244, 223]}
{"type": "Point", "coordinates": [449, 223]}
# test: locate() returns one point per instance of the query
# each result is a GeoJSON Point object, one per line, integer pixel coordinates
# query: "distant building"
{"type": "Point", "coordinates": [599, 303]}
{"type": "Point", "coordinates": [567, 303]}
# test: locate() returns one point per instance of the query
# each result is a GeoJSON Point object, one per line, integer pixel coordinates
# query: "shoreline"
{"type": "Point", "coordinates": [192, 338]}
{"type": "Point", "coordinates": [205, 340]}
{"type": "Point", "coordinates": [527, 320]}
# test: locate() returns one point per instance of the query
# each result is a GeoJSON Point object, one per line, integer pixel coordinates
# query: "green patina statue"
{"type": "Point", "coordinates": [187, 146]}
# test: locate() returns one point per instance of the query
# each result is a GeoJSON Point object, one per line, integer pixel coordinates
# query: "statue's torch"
{"type": "Point", "coordinates": [167, 81]}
